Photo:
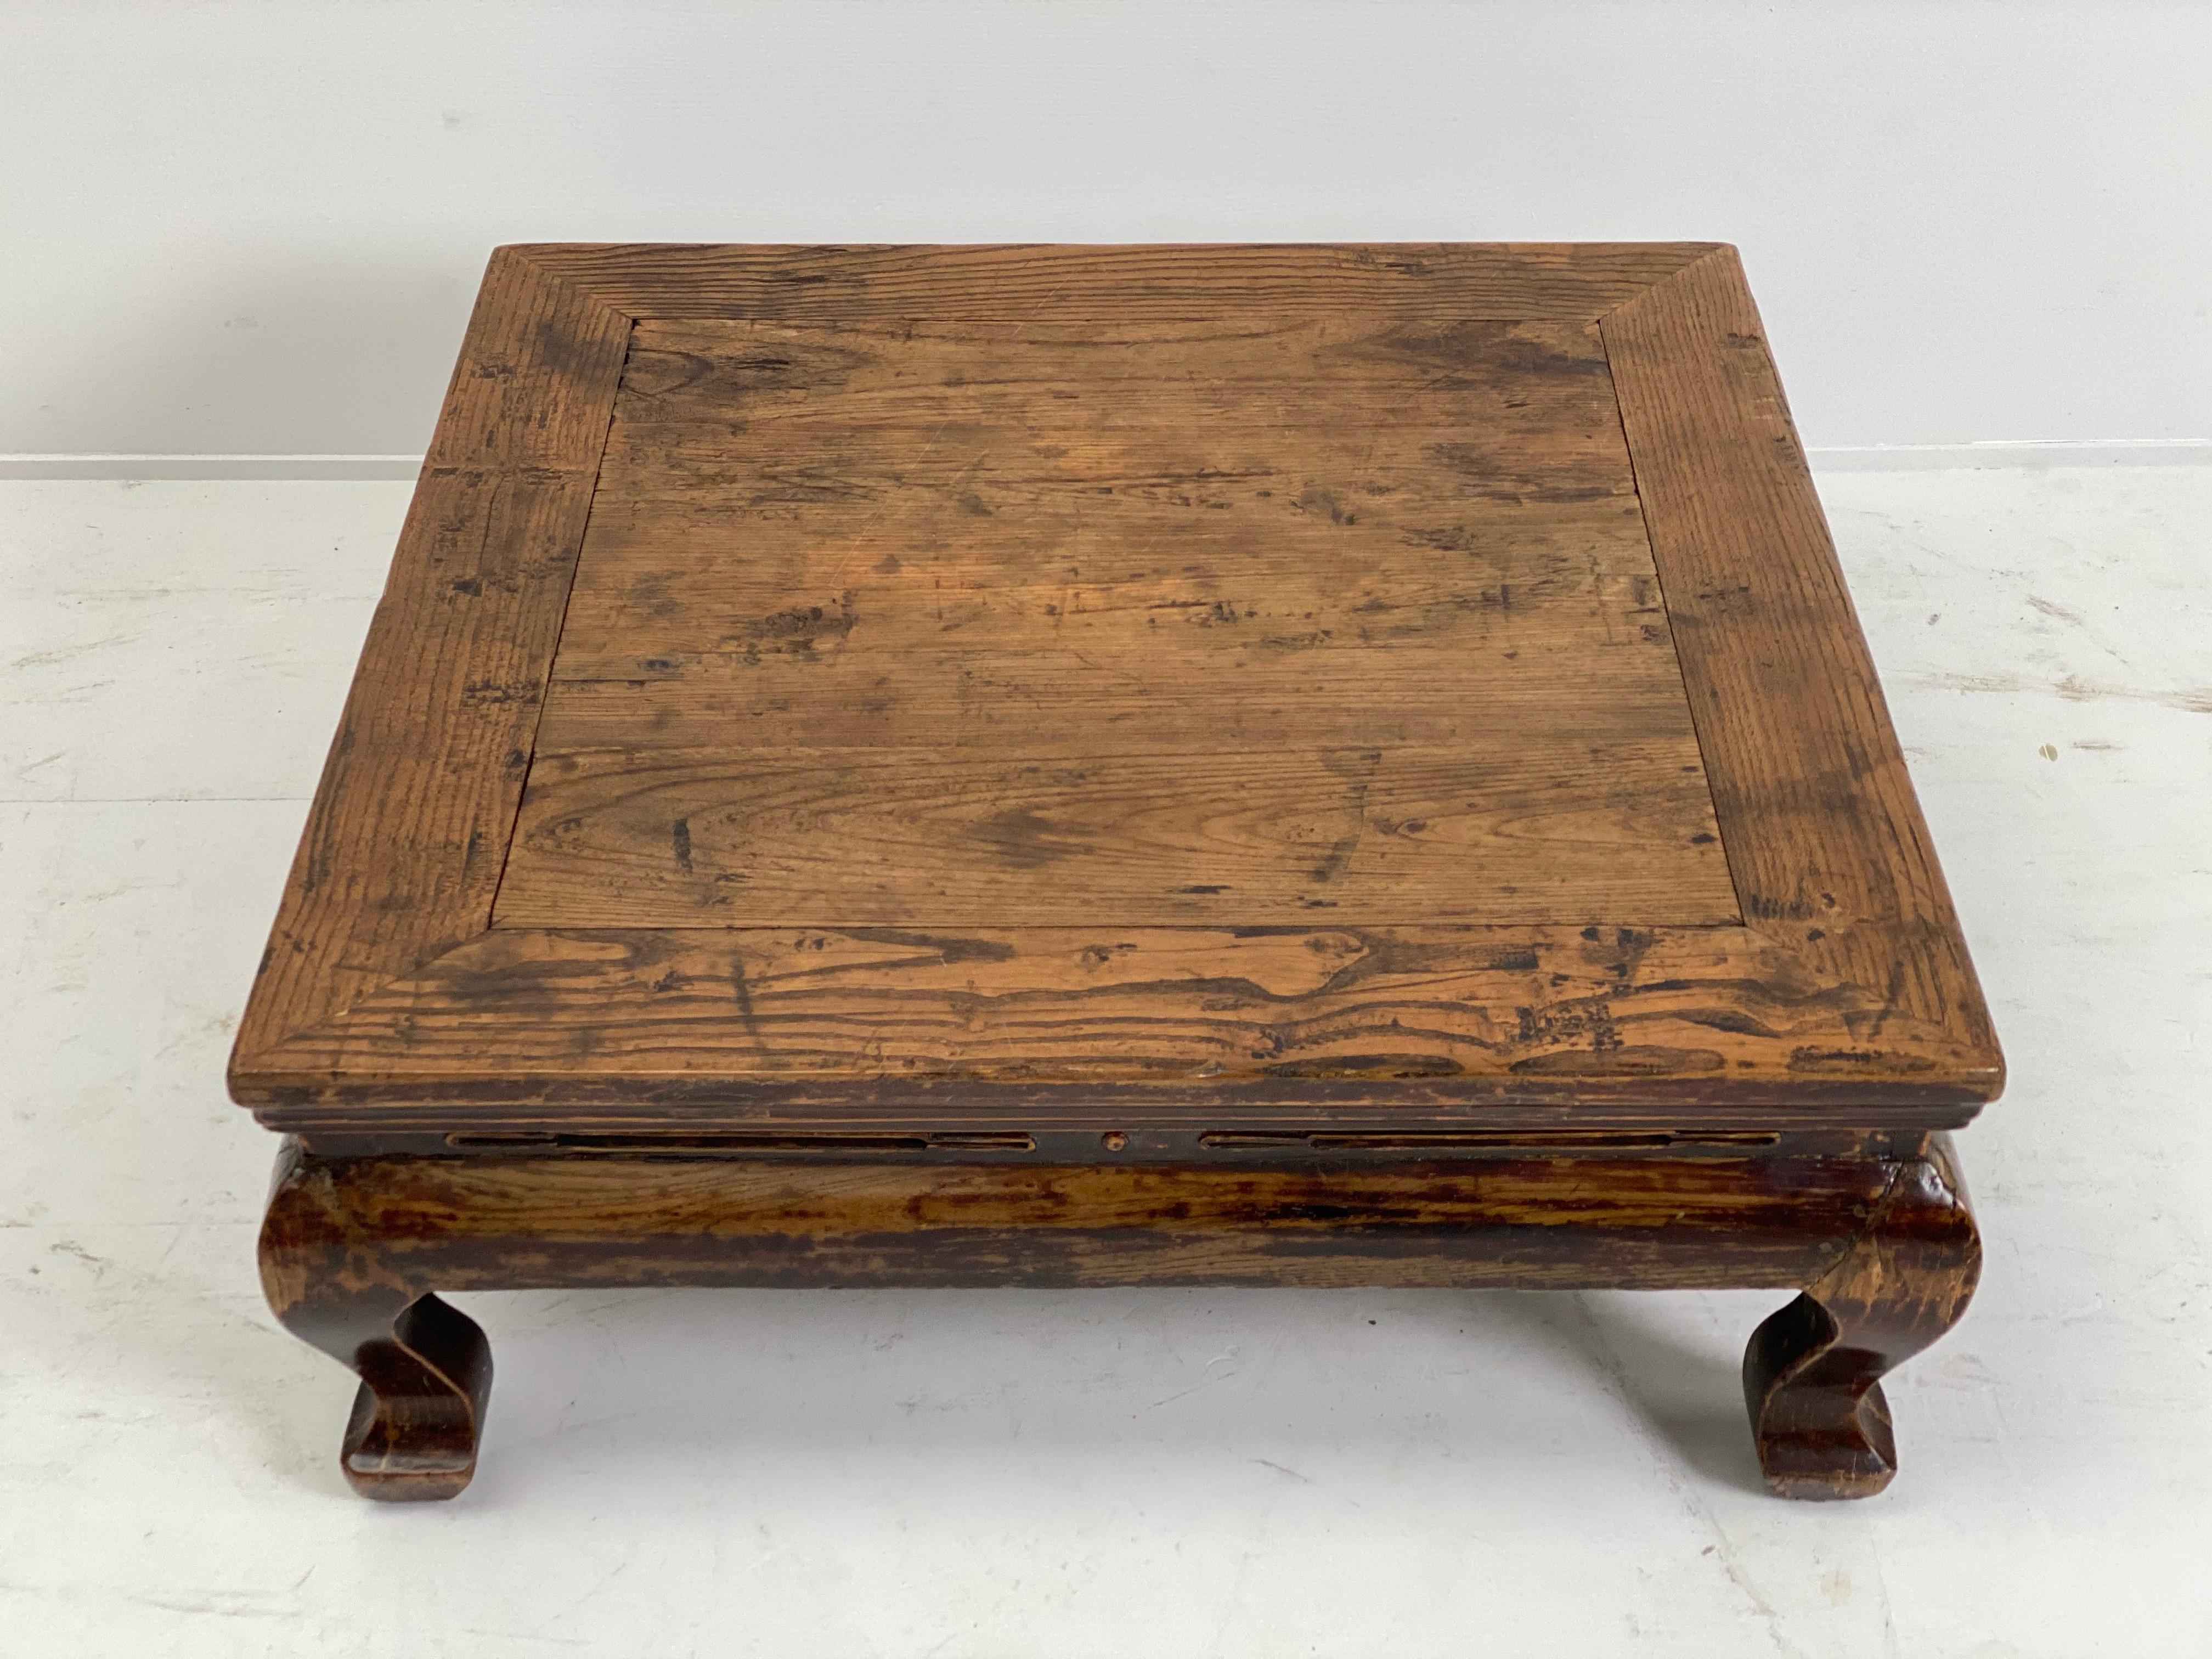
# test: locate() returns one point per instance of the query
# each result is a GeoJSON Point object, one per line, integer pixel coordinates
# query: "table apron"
{"type": "Point", "coordinates": [388, 1228]}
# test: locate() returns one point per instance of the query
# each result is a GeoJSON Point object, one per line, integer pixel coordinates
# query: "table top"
{"type": "Point", "coordinates": [1076, 688]}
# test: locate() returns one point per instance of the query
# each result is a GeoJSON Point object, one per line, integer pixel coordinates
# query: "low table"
{"type": "Point", "coordinates": [996, 766]}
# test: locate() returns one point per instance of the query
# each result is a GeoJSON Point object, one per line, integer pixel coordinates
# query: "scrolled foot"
{"type": "Point", "coordinates": [336, 1284]}
{"type": "Point", "coordinates": [417, 1419]}
{"type": "Point", "coordinates": [1812, 1373]}
{"type": "Point", "coordinates": [1822, 1424]}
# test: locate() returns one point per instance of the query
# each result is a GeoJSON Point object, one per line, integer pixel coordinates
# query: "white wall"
{"type": "Point", "coordinates": [248, 227]}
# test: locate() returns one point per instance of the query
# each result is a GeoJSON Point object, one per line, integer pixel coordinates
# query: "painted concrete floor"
{"type": "Point", "coordinates": [1260, 1473]}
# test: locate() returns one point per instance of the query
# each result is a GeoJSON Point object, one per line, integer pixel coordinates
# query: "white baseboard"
{"type": "Point", "coordinates": [1864, 457]}
{"type": "Point", "coordinates": [2021, 451]}
{"type": "Point", "coordinates": [325, 467]}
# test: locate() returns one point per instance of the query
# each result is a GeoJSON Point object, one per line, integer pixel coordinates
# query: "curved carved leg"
{"type": "Point", "coordinates": [1811, 1375]}
{"type": "Point", "coordinates": [424, 1380]}
{"type": "Point", "coordinates": [425, 1368]}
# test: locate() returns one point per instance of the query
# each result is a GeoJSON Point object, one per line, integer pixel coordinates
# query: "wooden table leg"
{"type": "Point", "coordinates": [425, 1367]}
{"type": "Point", "coordinates": [353, 1247]}
{"type": "Point", "coordinates": [1811, 1374]}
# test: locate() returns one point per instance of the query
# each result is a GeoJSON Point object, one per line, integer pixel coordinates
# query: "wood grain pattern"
{"type": "Point", "coordinates": [1487, 831]}
{"type": "Point", "coordinates": [354, 1250]}
{"type": "Point", "coordinates": [703, 569]}
{"type": "Point", "coordinates": [1105, 1029]}
{"type": "Point", "coordinates": [496, 1222]}
{"type": "Point", "coordinates": [403, 850]}
{"type": "Point", "coordinates": [1185, 491]}
{"type": "Point", "coordinates": [1504, 586]}
{"type": "Point", "coordinates": [1108, 374]}
{"type": "Point", "coordinates": [983, 700]}
{"type": "Point", "coordinates": [1825, 836]}
{"type": "Point", "coordinates": [1161, 506]}
{"type": "Point", "coordinates": [1812, 1374]}
{"type": "Point", "coordinates": [1042, 284]}
{"type": "Point", "coordinates": [1198, 607]}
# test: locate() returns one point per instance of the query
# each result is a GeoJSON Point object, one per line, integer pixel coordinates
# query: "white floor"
{"type": "Point", "coordinates": [1258, 1474]}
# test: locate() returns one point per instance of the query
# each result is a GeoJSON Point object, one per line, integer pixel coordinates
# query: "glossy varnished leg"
{"type": "Point", "coordinates": [355, 1244]}
{"type": "Point", "coordinates": [419, 1408]}
{"type": "Point", "coordinates": [425, 1368]}
{"type": "Point", "coordinates": [1811, 1375]}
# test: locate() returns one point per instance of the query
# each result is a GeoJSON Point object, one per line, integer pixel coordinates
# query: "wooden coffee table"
{"type": "Point", "coordinates": [970, 766]}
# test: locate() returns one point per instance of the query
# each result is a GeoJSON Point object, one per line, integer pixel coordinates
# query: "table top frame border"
{"type": "Point", "coordinates": [1848, 999]}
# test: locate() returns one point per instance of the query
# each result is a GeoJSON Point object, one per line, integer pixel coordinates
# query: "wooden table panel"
{"type": "Point", "coordinates": [1035, 609]}
{"type": "Point", "coordinates": [1053, 701]}
{"type": "Point", "coordinates": [1490, 828]}
{"type": "Point", "coordinates": [1108, 542]}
